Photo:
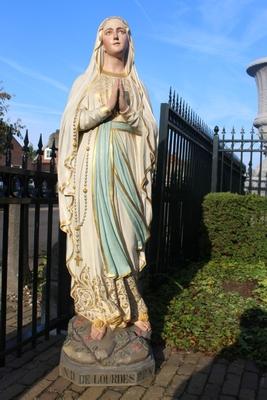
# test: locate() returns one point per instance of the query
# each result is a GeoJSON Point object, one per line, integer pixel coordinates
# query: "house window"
{"type": "Point", "coordinates": [47, 153]}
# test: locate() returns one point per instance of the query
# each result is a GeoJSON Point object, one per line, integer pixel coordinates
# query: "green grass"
{"type": "Point", "coordinates": [217, 308]}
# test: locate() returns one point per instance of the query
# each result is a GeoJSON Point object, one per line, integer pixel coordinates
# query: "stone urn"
{"type": "Point", "coordinates": [258, 70]}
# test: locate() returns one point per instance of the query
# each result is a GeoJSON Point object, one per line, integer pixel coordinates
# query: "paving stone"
{"type": "Point", "coordinates": [217, 373]}
{"type": "Point", "coordinates": [165, 375]}
{"type": "Point", "coordinates": [241, 361]}
{"type": "Point", "coordinates": [154, 392]}
{"type": "Point", "coordinates": [147, 382]}
{"type": "Point", "coordinates": [204, 364]}
{"type": "Point", "coordinates": [167, 351]}
{"type": "Point", "coordinates": [177, 385]}
{"type": "Point", "coordinates": [187, 396]}
{"type": "Point", "coordinates": [175, 359]}
{"type": "Point", "coordinates": [251, 366]}
{"type": "Point", "coordinates": [52, 375]}
{"type": "Point", "coordinates": [36, 390]}
{"type": "Point", "coordinates": [47, 396]}
{"type": "Point", "coordinates": [133, 393]}
{"type": "Point", "coordinates": [120, 389]}
{"type": "Point", "coordinates": [231, 384]}
{"type": "Point", "coordinates": [76, 388]}
{"type": "Point", "coordinates": [208, 397]}
{"type": "Point", "coordinates": [236, 367]}
{"type": "Point", "coordinates": [47, 354]}
{"type": "Point", "coordinates": [249, 381]}
{"type": "Point", "coordinates": [109, 395]}
{"type": "Point", "coordinates": [186, 369]}
{"type": "Point", "coordinates": [53, 360]}
{"type": "Point", "coordinates": [92, 393]}
{"type": "Point", "coordinates": [33, 375]}
{"type": "Point", "coordinates": [225, 397]}
{"type": "Point", "coordinates": [59, 385]}
{"type": "Point", "coordinates": [24, 359]}
{"type": "Point", "coordinates": [247, 394]}
{"type": "Point", "coordinates": [262, 395]}
{"type": "Point", "coordinates": [70, 395]}
{"type": "Point", "coordinates": [12, 391]}
{"type": "Point", "coordinates": [212, 390]}
{"type": "Point", "coordinates": [4, 371]}
{"type": "Point", "coordinates": [53, 340]}
{"type": "Point", "coordinates": [222, 361]}
{"type": "Point", "coordinates": [10, 358]}
{"type": "Point", "coordinates": [197, 383]}
{"type": "Point", "coordinates": [32, 364]}
{"type": "Point", "coordinates": [263, 381]}
{"type": "Point", "coordinates": [192, 358]}
{"type": "Point", "coordinates": [12, 378]}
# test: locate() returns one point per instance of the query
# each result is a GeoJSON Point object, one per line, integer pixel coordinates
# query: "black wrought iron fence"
{"type": "Point", "coordinates": [33, 252]}
{"type": "Point", "coordinates": [183, 177]}
{"type": "Point", "coordinates": [250, 175]}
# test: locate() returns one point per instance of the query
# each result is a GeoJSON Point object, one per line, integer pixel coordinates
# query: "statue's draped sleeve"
{"type": "Point", "coordinates": [86, 117]}
{"type": "Point", "coordinates": [90, 119]}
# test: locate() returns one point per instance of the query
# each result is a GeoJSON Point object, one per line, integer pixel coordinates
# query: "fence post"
{"type": "Point", "coordinates": [159, 187]}
{"type": "Point", "coordinates": [215, 159]}
{"type": "Point", "coordinates": [65, 304]}
{"type": "Point", "coordinates": [13, 248]}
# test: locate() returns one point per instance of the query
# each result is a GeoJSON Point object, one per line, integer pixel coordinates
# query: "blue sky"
{"type": "Point", "coordinates": [199, 47]}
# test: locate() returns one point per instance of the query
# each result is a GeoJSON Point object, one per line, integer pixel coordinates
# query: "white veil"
{"type": "Point", "coordinates": [68, 138]}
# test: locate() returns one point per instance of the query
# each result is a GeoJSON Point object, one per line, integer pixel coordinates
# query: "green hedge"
{"type": "Point", "coordinates": [235, 226]}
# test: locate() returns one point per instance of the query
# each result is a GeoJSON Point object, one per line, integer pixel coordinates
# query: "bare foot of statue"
{"type": "Point", "coordinates": [97, 333]}
{"type": "Point", "coordinates": [144, 326]}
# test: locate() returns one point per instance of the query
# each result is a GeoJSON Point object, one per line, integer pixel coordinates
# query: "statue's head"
{"type": "Point", "coordinates": [114, 38]}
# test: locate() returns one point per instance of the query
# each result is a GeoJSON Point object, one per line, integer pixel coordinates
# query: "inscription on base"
{"type": "Point", "coordinates": [107, 379]}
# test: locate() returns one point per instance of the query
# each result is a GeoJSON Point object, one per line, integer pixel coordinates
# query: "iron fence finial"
{"type": "Point", "coordinates": [216, 130]}
{"type": "Point", "coordinates": [170, 96]}
{"type": "Point", "coordinates": [173, 100]}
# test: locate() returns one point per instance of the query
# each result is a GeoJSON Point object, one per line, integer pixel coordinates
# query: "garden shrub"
{"type": "Point", "coordinates": [236, 226]}
{"type": "Point", "coordinates": [221, 310]}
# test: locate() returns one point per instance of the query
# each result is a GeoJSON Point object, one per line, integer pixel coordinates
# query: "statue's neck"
{"type": "Point", "coordinates": [113, 64]}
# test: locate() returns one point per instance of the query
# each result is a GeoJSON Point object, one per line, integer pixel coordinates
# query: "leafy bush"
{"type": "Point", "coordinates": [216, 307]}
{"type": "Point", "coordinates": [236, 226]}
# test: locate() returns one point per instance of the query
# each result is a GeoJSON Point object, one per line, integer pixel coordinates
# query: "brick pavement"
{"type": "Point", "coordinates": [179, 375]}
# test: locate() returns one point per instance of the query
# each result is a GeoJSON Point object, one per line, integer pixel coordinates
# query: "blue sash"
{"type": "Point", "coordinates": [113, 182]}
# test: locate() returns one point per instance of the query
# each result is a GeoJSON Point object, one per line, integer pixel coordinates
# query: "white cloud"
{"type": "Point", "coordinates": [225, 29]}
{"type": "Point", "coordinates": [36, 108]}
{"type": "Point", "coordinates": [33, 74]}
{"type": "Point", "coordinates": [256, 29]}
{"type": "Point", "coordinates": [222, 16]}
{"type": "Point", "coordinates": [201, 41]}
{"type": "Point", "coordinates": [145, 13]}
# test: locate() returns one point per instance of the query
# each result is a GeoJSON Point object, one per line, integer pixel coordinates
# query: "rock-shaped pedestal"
{"type": "Point", "coordinates": [122, 357]}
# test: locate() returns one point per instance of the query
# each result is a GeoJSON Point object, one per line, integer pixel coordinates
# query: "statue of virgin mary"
{"type": "Point", "coordinates": [107, 147]}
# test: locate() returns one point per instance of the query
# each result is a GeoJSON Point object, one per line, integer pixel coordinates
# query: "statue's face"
{"type": "Point", "coordinates": [115, 38]}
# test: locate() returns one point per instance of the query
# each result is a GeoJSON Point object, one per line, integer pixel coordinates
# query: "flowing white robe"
{"type": "Point", "coordinates": [105, 204]}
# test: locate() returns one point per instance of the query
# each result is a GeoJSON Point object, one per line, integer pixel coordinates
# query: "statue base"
{"type": "Point", "coordinates": [95, 375]}
{"type": "Point", "coordinates": [121, 358]}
